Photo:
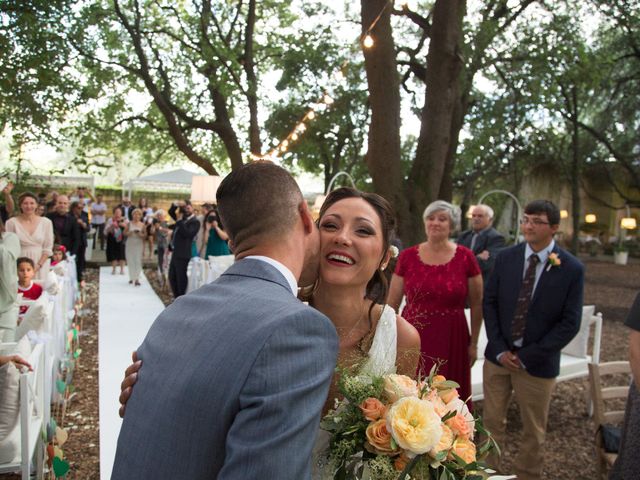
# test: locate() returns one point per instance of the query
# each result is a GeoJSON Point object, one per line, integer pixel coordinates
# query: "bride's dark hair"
{"type": "Point", "coordinates": [378, 286]}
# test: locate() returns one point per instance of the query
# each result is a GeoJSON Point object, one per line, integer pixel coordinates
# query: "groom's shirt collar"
{"type": "Point", "coordinates": [291, 280]}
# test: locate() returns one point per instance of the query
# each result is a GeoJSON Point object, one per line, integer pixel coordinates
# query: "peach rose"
{"type": "Point", "coordinates": [373, 409]}
{"type": "Point", "coordinates": [459, 425]}
{"type": "Point", "coordinates": [379, 437]}
{"type": "Point", "coordinates": [399, 386]}
{"type": "Point", "coordinates": [438, 404]}
{"type": "Point", "coordinates": [446, 393]}
{"type": "Point", "coordinates": [465, 449]}
{"type": "Point", "coordinates": [463, 409]}
{"type": "Point", "coordinates": [446, 440]}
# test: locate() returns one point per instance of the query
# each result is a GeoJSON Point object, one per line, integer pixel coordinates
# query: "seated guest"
{"type": "Point", "coordinates": [483, 240]}
{"type": "Point", "coordinates": [627, 464]}
{"type": "Point", "coordinates": [26, 286]}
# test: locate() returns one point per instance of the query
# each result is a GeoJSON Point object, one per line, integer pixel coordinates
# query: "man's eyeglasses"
{"type": "Point", "coordinates": [536, 222]}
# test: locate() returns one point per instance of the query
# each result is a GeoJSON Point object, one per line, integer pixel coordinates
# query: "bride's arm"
{"type": "Point", "coordinates": [408, 355]}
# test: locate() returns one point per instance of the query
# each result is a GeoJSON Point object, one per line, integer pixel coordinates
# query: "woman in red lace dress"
{"type": "Point", "coordinates": [439, 278]}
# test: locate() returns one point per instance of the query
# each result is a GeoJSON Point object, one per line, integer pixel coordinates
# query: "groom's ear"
{"type": "Point", "coordinates": [307, 218]}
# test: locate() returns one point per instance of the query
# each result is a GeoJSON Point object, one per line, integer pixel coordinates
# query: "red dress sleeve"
{"type": "Point", "coordinates": [403, 261]}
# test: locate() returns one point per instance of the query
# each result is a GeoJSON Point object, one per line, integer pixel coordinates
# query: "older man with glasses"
{"type": "Point", "coordinates": [532, 309]}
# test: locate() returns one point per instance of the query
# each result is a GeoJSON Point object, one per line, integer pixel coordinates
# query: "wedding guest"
{"type": "Point", "coordinates": [82, 195]}
{"type": "Point", "coordinates": [438, 279]}
{"type": "Point", "coordinates": [35, 234]}
{"type": "Point", "coordinates": [147, 219]}
{"type": "Point", "coordinates": [161, 232]}
{"type": "Point", "coordinates": [215, 238]}
{"type": "Point", "coordinates": [532, 310]}
{"type": "Point", "coordinates": [26, 286]}
{"type": "Point", "coordinates": [627, 465]}
{"type": "Point", "coordinates": [126, 207]}
{"type": "Point", "coordinates": [65, 226]}
{"type": "Point", "coordinates": [184, 233]}
{"type": "Point", "coordinates": [16, 359]}
{"type": "Point", "coordinates": [77, 209]}
{"type": "Point", "coordinates": [59, 254]}
{"type": "Point", "coordinates": [482, 239]}
{"type": "Point", "coordinates": [51, 204]}
{"type": "Point", "coordinates": [135, 232]}
{"type": "Point", "coordinates": [115, 240]}
{"type": "Point", "coordinates": [6, 209]}
{"type": "Point", "coordinates": [9, 253]}
{"type": "Point", "coordinates": [98, 220]}
{"type": "Point", "coordinates": [201, 245]}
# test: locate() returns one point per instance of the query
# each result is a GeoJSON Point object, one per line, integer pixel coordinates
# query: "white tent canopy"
{"type": "Point", "coordinates": [176, 180]}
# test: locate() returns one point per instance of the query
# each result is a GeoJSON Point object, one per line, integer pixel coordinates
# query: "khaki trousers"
{"type": "Point", "coordinates": [533, 395]}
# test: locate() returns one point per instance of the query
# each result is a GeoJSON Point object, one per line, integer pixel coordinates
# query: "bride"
{"type": "Point", "coordinates": [355, 248]}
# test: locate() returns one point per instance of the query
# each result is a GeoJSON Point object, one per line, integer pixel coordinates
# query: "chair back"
{"type": "Point", "coordinates": [603, 394]}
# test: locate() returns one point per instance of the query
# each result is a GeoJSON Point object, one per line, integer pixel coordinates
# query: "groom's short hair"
{"type": "Point", "coordinates": [258, 201]}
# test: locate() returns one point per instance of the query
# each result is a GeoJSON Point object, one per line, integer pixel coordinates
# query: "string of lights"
{"type": "Point", "coordinates": [366, 39]}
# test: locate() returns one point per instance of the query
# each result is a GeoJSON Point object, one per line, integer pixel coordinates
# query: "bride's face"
{"type": "Point", "coordinates": [351, 243]}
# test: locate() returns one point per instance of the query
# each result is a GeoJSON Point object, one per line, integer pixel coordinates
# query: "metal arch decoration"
{"type": "Point", "coordinates": [518, 206]}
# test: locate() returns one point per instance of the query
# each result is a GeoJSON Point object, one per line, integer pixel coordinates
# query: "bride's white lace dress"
{"type": "Point", "coordinates": [381, 360]}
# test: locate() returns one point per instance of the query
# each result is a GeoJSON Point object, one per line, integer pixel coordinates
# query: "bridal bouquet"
{"type": "Point", "coordinates": [394, 427]}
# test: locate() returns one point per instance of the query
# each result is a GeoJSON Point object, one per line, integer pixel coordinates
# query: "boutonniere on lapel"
{"type": "Point", "coordinates": [553, 261]}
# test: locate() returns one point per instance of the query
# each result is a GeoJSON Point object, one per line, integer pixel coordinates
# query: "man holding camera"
{"type": "Point", "coordinates": [184, 232]}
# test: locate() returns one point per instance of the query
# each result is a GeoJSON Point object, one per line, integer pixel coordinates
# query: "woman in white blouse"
{"type": "Point", "coordinates": [35, 234]}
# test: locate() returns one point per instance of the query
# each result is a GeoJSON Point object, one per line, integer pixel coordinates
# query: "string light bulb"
{"type": "Point", "coordinates": [367, 42]}
{"type": "Point", "coordinates": [311, 115]}
{"type": "Point", "coordinates": [327, 99]}
{"type": "Point", "coordinates": [294, 136]}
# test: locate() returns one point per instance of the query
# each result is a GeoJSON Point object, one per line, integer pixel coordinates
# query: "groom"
{"type": "Point", "coordinates": [236, 373]}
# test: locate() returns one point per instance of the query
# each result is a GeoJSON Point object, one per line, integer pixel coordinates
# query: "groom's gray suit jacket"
{"type": "Point", "coordinates": [233, 381]}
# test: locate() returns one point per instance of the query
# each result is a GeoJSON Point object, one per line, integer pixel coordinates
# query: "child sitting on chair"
{"type": "Point", "coordinates": [59, 254]}
{"type": "Point", "coordinates": [26, 286]}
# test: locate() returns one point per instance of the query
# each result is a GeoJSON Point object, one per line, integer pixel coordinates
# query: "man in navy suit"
{"type": "Point", "coordinates": [482, 239]}
{"type": "Point", "coordinates": [532, 309]}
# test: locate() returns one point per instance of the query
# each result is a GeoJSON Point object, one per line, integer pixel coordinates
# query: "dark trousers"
{"type": "Point", "coordinates": [178, 276]}
{"type": "Point", "coordinates": [80, 262]}
{"type": "Point", "coordinates": [160, 258]}
{"type": "Point", "coordinates": [98, 232]}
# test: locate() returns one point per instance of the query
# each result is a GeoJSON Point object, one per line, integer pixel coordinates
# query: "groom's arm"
{"type": "Point", "coordinates": [273, 433]}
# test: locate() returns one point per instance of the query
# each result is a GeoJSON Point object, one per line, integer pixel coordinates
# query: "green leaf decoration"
{"type": "Point", "coordinates": [60, 467]}
{"type": "Point", "coordinates": [60, 386]}
{"type": "Point", "coordinates": [75, 333]}
{"type": "Point", "coordinates": [77, 353]}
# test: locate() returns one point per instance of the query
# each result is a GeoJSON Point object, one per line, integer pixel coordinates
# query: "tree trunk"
{"type": "Point", "coordinates": [383, 147]}
{"type": "Point", "coordinates": [255, 144]}
{"type": "Point", "coordinates": [575, 173]}
{"type": "Point", "coordinates": [444, 65]}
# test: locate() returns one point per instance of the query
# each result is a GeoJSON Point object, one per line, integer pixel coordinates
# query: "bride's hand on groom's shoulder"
{"type": "Point", "coordinates": [130, 378]}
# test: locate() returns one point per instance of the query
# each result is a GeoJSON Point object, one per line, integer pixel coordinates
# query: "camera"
{"type": "Point", "coordinates": [212, 218]}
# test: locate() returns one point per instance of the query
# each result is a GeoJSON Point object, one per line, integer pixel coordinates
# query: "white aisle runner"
{"type": "Point", "coordinates": [126, 312]}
